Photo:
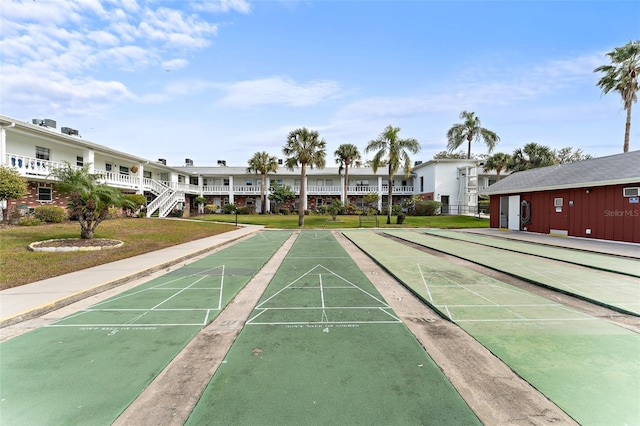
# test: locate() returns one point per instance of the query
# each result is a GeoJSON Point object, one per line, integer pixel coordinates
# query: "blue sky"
{"type": "Point", "coordinates": [222, 79]}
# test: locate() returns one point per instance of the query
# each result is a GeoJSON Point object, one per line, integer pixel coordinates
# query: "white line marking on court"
{"type": "Point", "coordinates": [221, 287]}
{"type": "Point", "coordinates": [313, 323]}
{"type": "Point", "coordinates": [528, 320]}
{"type": "Point", "coordinates": [324, 313]}
{"type": "Point", "coordinates": [448, 313]}
{"type": "Point", "coordinates": [175, 294]}
{"type": "Point", "coordinates": [425, 282]}
{"type": "Point", "coordinates": [123, 325]}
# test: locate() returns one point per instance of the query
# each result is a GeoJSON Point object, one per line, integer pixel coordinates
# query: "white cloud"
{"type": "Point", "coordinates": [174, 64]}
{"type": "Point", "coordinates": [241, 6]}
{"type": "Point", "coordinates": [278, 90]}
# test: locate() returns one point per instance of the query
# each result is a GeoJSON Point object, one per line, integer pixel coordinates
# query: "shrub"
{"type": "Point", "coordinates": [322, 210]}
{"type": "Point", "coordinates": [229, 208]}
{"type": "Point", "coordinates": [210, 209]}
{"type": "Point", "coordinates": [245, 210]}
{"type": "Point", "coordinates": [350, 209]}
{"type": "Point", "coordinates": [29, 221]}
{"type": "Point", "coordinates": [427, 208]}
{"type": "Point", "coordinates": [138, 200]}
{"type": "Point", "coordinates": [284, 212]}
{"type": "Point", "coordinates": [50, 214]}
{"type": "Point", "coordinates": [306, 212]}
{"type": "Point", "coordinates": [400, 219]}
{"type": "Point", "coordinates": [114, 213]}
{"type": "Point", "coordinates": [176, 213]}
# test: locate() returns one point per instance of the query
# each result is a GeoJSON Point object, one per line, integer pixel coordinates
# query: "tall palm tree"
{"type": "Point", "coordinates": [498, 162]}
{"type": "Point", "coordinates": [89, 200]}
{"type": "Point", "coordinates": [305, 148]}
{"type": "Point", "coordinates": [392, 151]}
{"type": "Point", "coordinates": [532, 156]}
{"type": "Point", "coordinates": [622, 77]}
{"type": "Point", "coordinates": [346, 155]}
{"type": "Point", "coordinates": [468, 130]}
{"type": "Point", "coordinates": [262, 163]}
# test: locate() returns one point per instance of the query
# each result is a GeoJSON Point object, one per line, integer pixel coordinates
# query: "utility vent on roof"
{"type": "Point", "coordinates": [69, 131]}
{"type": "Point", "coordinates": [188, 162]}
{"type": "Point", "coordinates": [222, 162]}
{"type": "Point", "coordinates": [45, 122]}
{"type": "Point", "coordinates": [631, 192]}
{"type": "Point", "coordinates": [162, 161]}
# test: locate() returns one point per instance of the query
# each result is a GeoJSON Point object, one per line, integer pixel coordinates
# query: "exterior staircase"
{"type": "Point", "coordinates": [166, 198]}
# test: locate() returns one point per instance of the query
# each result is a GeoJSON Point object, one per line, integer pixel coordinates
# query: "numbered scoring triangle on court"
{"type": "Point", "coordinates": [320, 295]}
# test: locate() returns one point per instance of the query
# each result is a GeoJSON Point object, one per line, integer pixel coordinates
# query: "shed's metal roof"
{"type": "Point", "coordinates": [611, 170]}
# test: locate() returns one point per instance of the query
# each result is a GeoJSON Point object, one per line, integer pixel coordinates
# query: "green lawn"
{"type": "Point", "coordinates": [20, 266]}
{"type": "Point", "coordinates": [348, 221]}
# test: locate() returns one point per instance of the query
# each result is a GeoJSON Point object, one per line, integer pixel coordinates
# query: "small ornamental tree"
{"type": "Point", "coordinates": [280, 194]}
{"type": "Point", "coordinates": [89, 200]}
{"type": "Point", "coordinates": [334, 208]}
{"type": "Point", "coordinates": [12, 186]}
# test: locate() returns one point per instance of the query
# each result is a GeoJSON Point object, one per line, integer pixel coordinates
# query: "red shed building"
{"type": "Point", "coordinates": [597, 198]}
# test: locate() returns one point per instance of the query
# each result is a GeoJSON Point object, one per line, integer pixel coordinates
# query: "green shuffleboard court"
{"type": "Point", "coordinates": [616, 291]}
{"type": "Point", "coordinates": [323, 347]}
{"type": "Point", "coordinates": [88, 367]}
{"type": "Point", "coordinates": [588, 367]}
{"type": "Point", "coordinates": [605, 262]}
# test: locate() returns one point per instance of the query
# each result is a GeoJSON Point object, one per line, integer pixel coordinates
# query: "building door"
{"type": "Point", "coordinates": [445, 209]}
{"type": "Point", "coordinates": [504, 213]}
{"type": "Point", "coordinates": [559, 217]}
{"type": "Point", "coordinates": [514, 213]}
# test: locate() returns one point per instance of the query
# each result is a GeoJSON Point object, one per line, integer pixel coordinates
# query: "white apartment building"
{"type": "Point", "coordinates": [35, 148]}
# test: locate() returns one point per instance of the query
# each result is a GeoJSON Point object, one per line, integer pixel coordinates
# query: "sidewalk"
{"type": "Point", "coordinates": [30, 300]}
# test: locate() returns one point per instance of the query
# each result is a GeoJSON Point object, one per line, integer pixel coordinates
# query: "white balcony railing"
{"type": "Point", "coordinates": [30, 166]}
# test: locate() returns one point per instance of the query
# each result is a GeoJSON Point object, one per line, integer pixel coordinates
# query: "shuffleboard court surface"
{"type": "Point", "coordinates": [587, 366]}
{"type": "Point", "coordinates": [88, 367]}
{"type": "Point", "coordinates": [323, 347]}
{"type": "Point", "coordinates": [605, 262]}
{"type": "Point", "coordinates": [616, 291]}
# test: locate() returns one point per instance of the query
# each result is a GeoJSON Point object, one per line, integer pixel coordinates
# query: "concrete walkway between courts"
{"type": "Point", "coordinates": [31, 300]}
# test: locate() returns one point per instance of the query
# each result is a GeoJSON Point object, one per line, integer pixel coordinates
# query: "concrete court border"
{"type": "Point", "coordinates": [526, 247]}
{"type": "Point", "coordinates": [203, 248]}
{"type": "Point", "coordinates": [396, 234]}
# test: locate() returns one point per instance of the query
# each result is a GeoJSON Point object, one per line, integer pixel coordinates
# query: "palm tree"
{"type": "Point", "coordinates": [262, 163]}
{"type": "Point", "coordinates": [498, 162]}
{"type": "Point", "coordinates": [89, 200]}
{"type": "Point", "coordinates": [622, 77]}
{"type": "Point", "coordinates": [392, 151]}
{"type": "Point", "coordinates": [305, 148]}
{"type": "Point", "coordinates": [532, 156]}
{"type": "Point", "coordinates": [469, 130]}
{"type": "Point", "coordinates": [346, 155]}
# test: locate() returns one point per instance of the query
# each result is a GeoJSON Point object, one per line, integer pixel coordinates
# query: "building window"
{"type": "Point", "coordinates": [193, 180]}
{"type": "Point", "coordinates": [250, 202]}
{"type": "Point", "coordinates": [421, 183]}
{"type": "Point", "coordinates": [124, 170]}
{"type": "Point", "coordinates": [557, 202]}
{"type": "Point", "coordinates": [45, 194]}
{"type": "Point", "coordinates": [181, 179]}
{"type": "Point", "coordinates": [225, 182]}
{"type": "Point", "coordinates": [329, 182]}
{"type": "Point", "coordinates": [108, 166]}
{"type": "Point", "coordinates": [319, 201]}
{"type": "Point", "coordinates": [43, 153]}
{"type": "Point", "coordinates": [79, 161]}
{"type": "Point", "coordinates": [249, 182]}
{"type": "Point", "coordinates": [164, 177]}
{"type": "Point", "coordinates": [147, 174]}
